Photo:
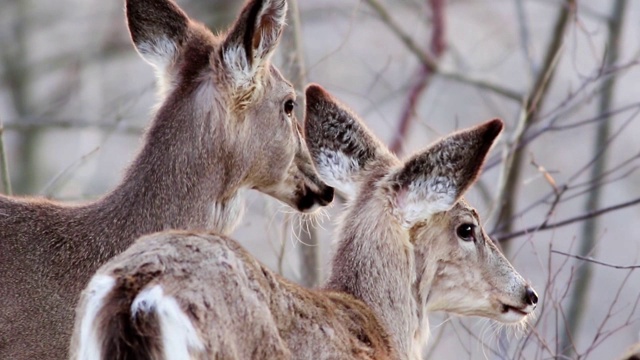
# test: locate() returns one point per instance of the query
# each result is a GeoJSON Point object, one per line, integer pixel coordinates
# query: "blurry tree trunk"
{"type": "Point", "coordinates": [295, 71]}
{"type": "Point", "coordinates": [216, 14]}
{"type": "Point", "coordinates": [4, 167]}
{"type": "Point", "coordinates": [512, 167]}
{"type": "Point", "coordinates": [578, 300]}
{"type": "Point", "coordinates": [437, 47]}
{"type": "Point", "coordinates": [16, 75]}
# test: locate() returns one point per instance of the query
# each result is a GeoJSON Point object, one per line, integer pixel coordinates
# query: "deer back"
{"type": "Point", "coordinates": [202, 296]}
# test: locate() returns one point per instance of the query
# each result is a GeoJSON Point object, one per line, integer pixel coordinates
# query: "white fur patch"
{"type": "Point", "coordinates": [160, 54]}
{"type": "Point", "coordinates": [179, 337]}
{"type": "Point", "coordinates": [235, 55]}
{"type": "Point", "coordinates": [425, 197]}
{"type": "Point", "coordinates": [98, 288]}
{"type": "Point", "coordinates": [225, 217]}
{"type": "Point", "coordinates": [338, 170]}
{"type": "Point", "coordinates": [236, 60]}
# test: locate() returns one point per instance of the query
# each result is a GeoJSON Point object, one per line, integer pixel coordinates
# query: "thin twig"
{"type": "Point", "coordinates": [584, 274]}
{"type": "Point", "coordinates": [27, 124]}
{"type": "Point", "coordinates": [51, 187]}
{"type": "Point", "coordinates": [572, 220]}
{"type": "Point", "coordinates": [511, 170]}
{"type": "Point", "coordinates": [4, 166]}
{"type": "Point", "coordinates": [438, 46]}
{"type": "Point", "coordinates": [431, 63]}
{"type": "Point", "coordinates": [592, 260]}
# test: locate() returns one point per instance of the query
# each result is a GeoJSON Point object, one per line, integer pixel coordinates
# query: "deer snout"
{"type": "Point", "coordinates": [326, 197]}
{"type": "Point", "coordinates": [314, 199]}
{"type": "Point", "coordinates": [530, 296]}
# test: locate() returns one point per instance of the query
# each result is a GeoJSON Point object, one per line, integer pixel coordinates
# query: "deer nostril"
{"type": "Point", "coordinates": [327, 195]}
{"type": "Point", "coordinates": [531, 297]}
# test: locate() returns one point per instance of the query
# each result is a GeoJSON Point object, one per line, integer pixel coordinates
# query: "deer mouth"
{"type": "Point", "coordinates": [520, 311]}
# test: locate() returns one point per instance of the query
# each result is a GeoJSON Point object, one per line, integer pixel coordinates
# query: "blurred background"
{"type": "Point", "coordinates": [559, 192]}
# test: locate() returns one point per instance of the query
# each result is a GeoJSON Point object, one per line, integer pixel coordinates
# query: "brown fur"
{"type": "Point", "coordinates": [198, 153]}
{"type": "Point", "coordinates": [211, 275]}
{"type": "Point", "coordinates": [400, 255]}
{"type": "Point", "coordinates": [632, 353]}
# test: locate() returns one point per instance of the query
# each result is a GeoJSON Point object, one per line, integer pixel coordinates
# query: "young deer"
{"type": "Point", "coordinates": [408, 245]}
{"type": "Point", "coordinates": [226, 123]}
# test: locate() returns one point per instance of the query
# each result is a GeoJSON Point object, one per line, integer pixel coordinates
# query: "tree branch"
{"type": "Point", "coordinates": [438, 46]}
{"type": "Point", "coordinates": [591, 260]}
{"type": "Point", "coordinates": [431, 63]}
{"type": "Point", "coordinates": [27, 124]}
{"type": "Point", "coordinates": [572, 220]}
{"type": "Point", "coordinates": [511, 170]}
{"type": "Point", "coordinates": [4, 166]}
{"type": "Point", "coordinates": [584, 275]}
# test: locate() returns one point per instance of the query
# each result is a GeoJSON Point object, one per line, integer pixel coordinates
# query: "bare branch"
{"type": "Point", "coordinates": [431, 63]}
{"type": "Point", "coordinates": [589, 227]}
{"type": "Point", "coordinates": [4, 166]}
{"type": "Point", "coordinates": [52, 186]}
{"type": "Point", "coordinates": [438, 46]}
{"type": "Point", "coordinates": [588, 215]}
{"type": "Point", "coordinates": [28, 124]}
{"type": "Point", "coordinates": [510, 175]}
{"type": "Point", "coordinates": [592, 260]}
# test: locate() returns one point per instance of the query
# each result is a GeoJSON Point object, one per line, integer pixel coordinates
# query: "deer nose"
{"type": "Point", "coordinates": [530, 296]}
{"type": "Point", "coordinates": [327, 196]}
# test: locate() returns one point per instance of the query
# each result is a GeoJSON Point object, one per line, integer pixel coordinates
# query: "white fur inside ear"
{"type": "Point", "coordinates": [338, 170]}
{"type": "Point", "coordinates": [425, 197]}
{"type": "Point", "coordinates": [277, 10]}
{"type": "Point", "coordinates": [238, 65]}
{"type": "Point", "coordinates": [160, 52]}
{"type": "Point", "coordinates": [179, 337]}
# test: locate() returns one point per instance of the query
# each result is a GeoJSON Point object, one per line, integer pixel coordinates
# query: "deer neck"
{"type": "Point", "coordinates": [375, 263]}
{"type": "Point", "coordinates": [181, 178]}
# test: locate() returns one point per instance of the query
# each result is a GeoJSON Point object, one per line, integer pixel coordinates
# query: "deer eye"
{"type": "Point", "coordinates": [466, 232]}
{"type": "Point", "coordinates": [289, 105]}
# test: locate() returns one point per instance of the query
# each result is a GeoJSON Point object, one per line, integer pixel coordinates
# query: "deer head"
{"type": "Point", "coordinates": [423, 245]}
{"type": "Point", "coordinates": [238, 108]}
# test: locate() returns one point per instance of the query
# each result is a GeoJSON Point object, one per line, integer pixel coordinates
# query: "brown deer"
{"type": "Point", "coordinates": [408, 245]}
{"type": "Point", "coordinates": [225, 124]}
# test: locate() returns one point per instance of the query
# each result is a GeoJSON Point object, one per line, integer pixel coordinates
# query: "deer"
{"type": "Point", "coordinates": [225, 124]}
{"type": "Point", "coordinates": [408, 245]}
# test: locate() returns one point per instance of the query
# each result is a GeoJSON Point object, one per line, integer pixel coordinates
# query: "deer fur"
{"type": "Point", "coordinates": [632, 353]}
{"type": "Point", "coordinates": [407, 245]}
{"type": "Point", "coordinates": [225, 124]}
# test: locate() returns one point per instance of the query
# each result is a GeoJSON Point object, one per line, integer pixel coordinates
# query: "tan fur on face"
{"type": "Point", "coordinates": [461, 275]}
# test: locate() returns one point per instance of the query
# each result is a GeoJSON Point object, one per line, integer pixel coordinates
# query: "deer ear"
{"type": "Point", "coordinates": [158, 29]}
{"type": "Point", "coordinates": [434, 180]}
{"type": "Point", "coordinates": [343, 149]}
{"type": "Point", "coordinates": [253, 38]}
